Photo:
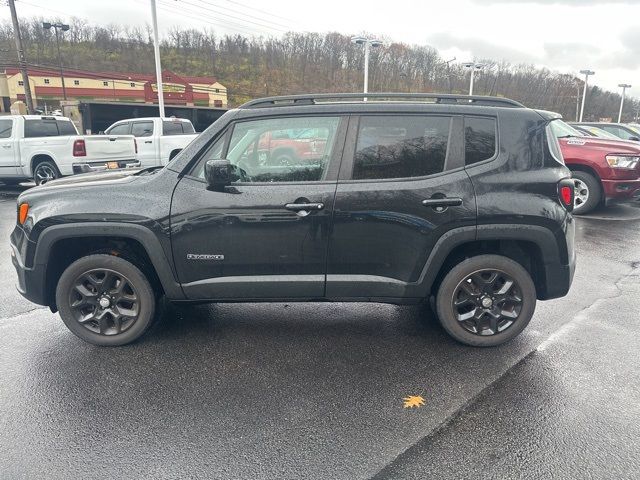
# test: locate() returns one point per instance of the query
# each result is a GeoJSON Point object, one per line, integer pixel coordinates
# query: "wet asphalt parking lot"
{"type": "Point", "coordinates": [315, 390]}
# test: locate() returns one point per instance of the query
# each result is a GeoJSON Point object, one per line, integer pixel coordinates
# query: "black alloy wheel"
{"type": "Point", "coordinates": [105, 300]}
{"type": "Point", "coordinates": [486, 300]}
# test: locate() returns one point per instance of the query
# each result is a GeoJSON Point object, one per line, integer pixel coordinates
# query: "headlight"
{"type": "Point", "coordinates": [618, 161]}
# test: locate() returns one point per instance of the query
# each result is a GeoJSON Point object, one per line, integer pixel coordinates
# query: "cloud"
{"type": "Point", "coordinates": [572, 3]}
{"type": "Point", "coordinates": [481, 49]}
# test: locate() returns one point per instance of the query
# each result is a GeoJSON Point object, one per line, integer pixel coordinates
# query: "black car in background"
{"type": "Point", "coordinates": [462, 199]}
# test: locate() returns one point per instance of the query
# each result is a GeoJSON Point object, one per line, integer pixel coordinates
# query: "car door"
{"type": "Point", "coordinates": [266, 235]}
{"type": "Point", "coordinates": [402, 186]}
{"type": "Point", "coordinates": [8, 148]}
{"type": "Point", "coordinates": [148, 151]}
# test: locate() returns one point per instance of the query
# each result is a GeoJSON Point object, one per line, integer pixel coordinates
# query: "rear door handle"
{"type": "Point", "coordinates": [442, 202]}
{"type": "Point", "coordinates": [6, 146]}
{"type": "Point", "coordinates": [296, 207]}
{"type": "Point", "coordinates": [304, 209]}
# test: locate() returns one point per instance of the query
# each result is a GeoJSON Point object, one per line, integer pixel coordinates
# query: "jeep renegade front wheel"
{"type": "Point", "coordinates": [486, 300]}
{"type": "Point", "coordinates": [105, 300]}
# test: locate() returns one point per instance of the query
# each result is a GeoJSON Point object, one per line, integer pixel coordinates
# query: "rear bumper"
{"type": "Point", "coordinates": [621, 190]}
{"type": "Point", "coordinates": [31, 281]}
{"type": "Point", "coordinates": [102, 166]}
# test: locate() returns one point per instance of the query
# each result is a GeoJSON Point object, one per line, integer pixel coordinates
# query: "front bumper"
{"type": "Point", "coordinates": [31, 281]}
{"type": "Point", "coordinates": [102, 166]}
{"type": "Point", "coordinates": [621, 190]}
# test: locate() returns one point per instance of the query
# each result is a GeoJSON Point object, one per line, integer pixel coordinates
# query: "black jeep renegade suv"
{"type": "Point", "coordinates": [391, 198]}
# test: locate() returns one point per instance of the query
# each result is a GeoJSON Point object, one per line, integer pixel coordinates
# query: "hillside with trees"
{"type": "Point", "coordinates": [301, 62]}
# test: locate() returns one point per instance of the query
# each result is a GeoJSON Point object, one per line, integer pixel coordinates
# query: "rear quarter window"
{"type": "Point", "coordinates": [479, 139]}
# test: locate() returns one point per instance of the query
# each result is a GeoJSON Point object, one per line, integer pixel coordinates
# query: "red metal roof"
{"type": "Point", "coordinates": [167, 75]}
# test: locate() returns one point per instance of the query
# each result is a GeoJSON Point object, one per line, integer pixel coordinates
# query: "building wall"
{"type": "Point", "coordinates": [48, 87]}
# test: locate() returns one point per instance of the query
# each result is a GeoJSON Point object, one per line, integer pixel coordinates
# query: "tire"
{"type": "Point", "coordinates": [588, 192]}
{"type": "Point", "coordinates": [45, 171]}
{"type": "Point", "coordinates": [473, 275]}
{"type": "Point", "coordinates": [82, 287]}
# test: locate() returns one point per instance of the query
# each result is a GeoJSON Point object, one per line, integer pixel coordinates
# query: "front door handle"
{"type": "Point", "coordinates": [304, 209]}
{"type": "Point", "coordinates": [442, 202]}
{"type": "Point", "coordinates": [148, 141]}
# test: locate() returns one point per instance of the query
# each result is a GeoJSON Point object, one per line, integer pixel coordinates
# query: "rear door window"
{"type": "Point", "coordinates": [65, 127]}
{"type": "Point", "coordinates": [5, 128]}
{"type": "Point", "coordinates": [172, 128]}
{"type": "Point", "coordinates": [120, 129]}
{"type": "Point", "coordinates": [479, 139]}
{"type": "Point", "coordinates": [34, 128]}
{"type": "Point", "coordinates": [400, 146]}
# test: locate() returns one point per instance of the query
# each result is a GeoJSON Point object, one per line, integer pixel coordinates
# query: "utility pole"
{"type": "Point", "coordinates": [586, 74]}
{"type": "Point", "coordinates": [448, 62]}
{"type": "Point", "coordinates": [624, 87]}
{"type": "Point", "coordinates": [21, 59]}
{"type": "Point", "coordinates": [156, 51]}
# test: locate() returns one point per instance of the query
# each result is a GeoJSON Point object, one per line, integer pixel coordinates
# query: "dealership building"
{"type": "Point", "coordinates": [46, 88]}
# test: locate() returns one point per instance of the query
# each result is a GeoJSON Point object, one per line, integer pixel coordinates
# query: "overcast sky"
{"type": "Point", "coordinates": [564, 35]}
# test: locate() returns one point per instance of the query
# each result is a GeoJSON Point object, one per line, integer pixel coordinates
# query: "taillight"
{"type": "Point", "coordinates": [135, 144]}
{"type": "Point", "coordinates": [79, 149]}
{"type": "Point", "coordinates": [23, 211]}
{"type": "Point", "coordinates": [566, 192]}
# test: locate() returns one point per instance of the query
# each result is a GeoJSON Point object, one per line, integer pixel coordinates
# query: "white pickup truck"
{"type": "Point", "coordinates": [159, 139]}
{"type": "Point", "coordinates": [44, 148]}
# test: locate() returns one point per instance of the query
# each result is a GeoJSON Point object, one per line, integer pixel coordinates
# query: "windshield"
{"type": "Point", "coordinates": [600, 133]}
{"type": "Point", "coordinates": [562, 129]}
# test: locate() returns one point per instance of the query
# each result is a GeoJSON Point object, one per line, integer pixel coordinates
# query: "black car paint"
{"type": "Point", "coordinates": [372, 241]}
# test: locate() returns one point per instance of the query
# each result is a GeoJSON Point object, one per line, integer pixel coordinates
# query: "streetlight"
{"type": "Point", "coordinates": [448, 63]}
{"type": "Point", "coordinates": [473, 66]}
{"type": "Point", "coordinates": [64, 28]}
{"type": "Point", "coordinates": [624, 87]}
{"type": "Point", "coordinates": [586, 74]}
{"type": "Point", "coordinates": [368, 43]}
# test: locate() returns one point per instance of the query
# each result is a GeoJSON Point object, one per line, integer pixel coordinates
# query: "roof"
{"type": "Point", "coordinates": [168, 119]}
{"type": "Point", "coordinates": [167, 75]}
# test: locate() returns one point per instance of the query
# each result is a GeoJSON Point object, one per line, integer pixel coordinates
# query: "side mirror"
{"type": "Point", "coordinates": [101, 132]}
{"type": "Point", "coordinates": [218, 174]}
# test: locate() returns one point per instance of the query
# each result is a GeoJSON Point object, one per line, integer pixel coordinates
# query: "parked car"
{"type": "Point", "coordinates": [590, 131]}
{"type": "Point", "coordinates": [44, 148]}
{"type": "Point", "coordinates": [621, 130]}
{"type": "Point", "coordinates": [463, 200]}
{"type": "Point", "coordinates": [604, 170]}
{"type": "Point", "coordinates": [159, 139]}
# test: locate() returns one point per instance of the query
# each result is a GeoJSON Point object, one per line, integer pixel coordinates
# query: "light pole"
{"type": "Point", "coordinates": [473, 66]}
{"type": "Point", "coordinates": [448, 62]}
{"type": "Point", "coordinates": [624, 87]}
{"type": "Point", "coordinates": [368, 43]}
{"type": "Point", "coordinates": [156, 51]}
{"type": "Point", "coordinates": [64, 28]}
{"type": "Point", "coordinates": [586, 74]}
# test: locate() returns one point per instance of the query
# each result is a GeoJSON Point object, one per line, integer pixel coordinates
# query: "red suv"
{"type": "Point", "coordinates": [604, 170]}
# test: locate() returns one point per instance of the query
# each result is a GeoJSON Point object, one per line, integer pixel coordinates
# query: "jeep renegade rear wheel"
{"type": "Point", "coordinates": [105, 300]}
{"type": "Point", "coordinates": [486, 300]}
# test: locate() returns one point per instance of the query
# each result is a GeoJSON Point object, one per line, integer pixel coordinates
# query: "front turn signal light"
{"type": "Point", "coordinates": [23, 211]}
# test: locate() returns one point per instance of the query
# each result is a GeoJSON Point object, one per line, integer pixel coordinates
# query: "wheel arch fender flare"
{"type": "Point", "coordinates": [143, 235]}
{"type": "Point", "coordinates": [544, 238]}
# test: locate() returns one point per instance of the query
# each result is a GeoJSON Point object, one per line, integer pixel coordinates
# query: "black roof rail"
{"type": "Point", "coordinates": [319, 98]}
